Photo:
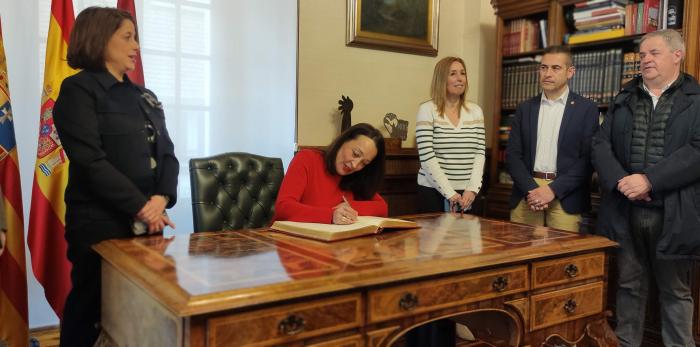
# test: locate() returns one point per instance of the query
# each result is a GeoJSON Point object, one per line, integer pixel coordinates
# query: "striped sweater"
{"type": "Point", "coordinates": [452, 158]}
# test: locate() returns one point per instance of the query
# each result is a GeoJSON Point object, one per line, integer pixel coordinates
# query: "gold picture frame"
{"type": "Point", "coordinates": [408, 26]}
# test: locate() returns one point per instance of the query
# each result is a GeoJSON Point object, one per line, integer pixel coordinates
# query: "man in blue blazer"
{"type": "Point", "coordinates": [548, 153]}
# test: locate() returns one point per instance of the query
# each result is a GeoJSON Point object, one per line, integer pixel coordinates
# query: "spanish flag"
{"type": "Point", "coordinates": [13, 275]}
{"type": "Point", "coordinates": [46, 241]}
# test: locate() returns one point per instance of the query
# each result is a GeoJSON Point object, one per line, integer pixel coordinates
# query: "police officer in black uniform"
{"type": "Point", "coordinates": [123, 171]}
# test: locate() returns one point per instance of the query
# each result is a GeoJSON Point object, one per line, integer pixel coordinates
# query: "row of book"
{"type": "Point", "coordinates": [651, 15]}
{"type": "Point", "coordinates": [599, 76]}
{"type": "Point", "coordinates": [597, 14]}
{"type": "Point", "coordinates": [642, 17]}
{"type": "Point", "coordinates": [524, 35]}
{"type": "Point", "coordinates": [520, 81]}
{"type": "Point", "coordinates": [605, 19]}
{"type": "Point", "coordinates": [598, 20]}
{"type": "Point", "coordinates": [630, 66]}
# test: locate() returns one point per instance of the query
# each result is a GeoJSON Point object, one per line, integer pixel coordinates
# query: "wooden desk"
{"type": "Point", "coordinates": [263, 288]}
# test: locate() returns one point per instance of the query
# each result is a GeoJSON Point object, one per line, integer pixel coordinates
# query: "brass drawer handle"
{"type": "Point", "coordinates": [570, 306]}
{"type": "Point", "coordinates": [500, 283]}
{"type": "Point", "coordinates": [408, 301]}
{"type": "Point", "coordinates": [291, 325]}
{"type": "Point", "coordinates": [571, 270]}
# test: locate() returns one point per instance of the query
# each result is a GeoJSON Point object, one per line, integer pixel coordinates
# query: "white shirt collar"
{"type": "Point", "coordinates": [644, 86]}
{"type": "Point", "coordinates": [561, 99]}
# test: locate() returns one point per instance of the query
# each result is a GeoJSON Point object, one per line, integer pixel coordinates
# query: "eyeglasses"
{"type": "Point", "coordinates": [554, 68]}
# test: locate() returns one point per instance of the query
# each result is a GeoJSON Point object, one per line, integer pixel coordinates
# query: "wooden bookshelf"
{"type": "Point", "coordinates": [498, 193]}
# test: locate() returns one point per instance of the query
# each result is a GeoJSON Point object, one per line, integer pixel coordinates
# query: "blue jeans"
{"type": "Point", "coordinates": [636, 262]}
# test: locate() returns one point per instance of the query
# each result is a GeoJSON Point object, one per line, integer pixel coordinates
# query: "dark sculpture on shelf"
{"type": "Point", "coordinates": [397, 128]}
{"type": "Point", "coordinates": [345, 108]}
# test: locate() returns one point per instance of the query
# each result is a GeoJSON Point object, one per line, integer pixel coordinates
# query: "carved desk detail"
{"type": "Point", "coordinates": [511, 284]}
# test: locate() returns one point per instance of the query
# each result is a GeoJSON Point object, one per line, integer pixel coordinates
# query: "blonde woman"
{"type": "Point", "coordinates": [450, 137]}
{"type": "Point", "coordinates": [451, 144]}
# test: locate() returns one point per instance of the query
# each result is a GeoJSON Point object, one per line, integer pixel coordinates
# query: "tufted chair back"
{"type": "Point", "coordinates": [234, 191]}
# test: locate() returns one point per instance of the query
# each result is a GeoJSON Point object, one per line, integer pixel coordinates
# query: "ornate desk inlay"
{"type": "Point", "coordinates": [262, 288]}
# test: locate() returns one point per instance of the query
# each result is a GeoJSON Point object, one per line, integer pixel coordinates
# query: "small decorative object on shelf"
{"type": "Point", "coordinates": [397, 129]}
{"type": "Point", "coordinates": [345, 108]}
{"type": "Point", "coordinates": [674, 14]}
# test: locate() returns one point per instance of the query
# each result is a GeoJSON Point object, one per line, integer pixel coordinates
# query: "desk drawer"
{"type": "Point", "coordinates": [423, 296]}
{"type": "Point", "coordinates": [350, 341]}
{"type": "Point", "coordinates": [565, 270]}
{"type": "Point", "coordinates": [277, 325]}
{"type": "Point", "coordinates": [564, 305]}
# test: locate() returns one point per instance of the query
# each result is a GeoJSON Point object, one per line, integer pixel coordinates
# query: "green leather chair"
{"type": "Point", "coordinates": [233, 191]}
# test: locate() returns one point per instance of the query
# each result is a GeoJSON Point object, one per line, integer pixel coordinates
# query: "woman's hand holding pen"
{"type": "Point", "coordinates": [343, 213]}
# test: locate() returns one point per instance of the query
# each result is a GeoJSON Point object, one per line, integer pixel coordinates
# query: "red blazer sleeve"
{"type": "Point", "coordinates": [288, 205]}
{"type": "Point", "coordinates": [375, 207]}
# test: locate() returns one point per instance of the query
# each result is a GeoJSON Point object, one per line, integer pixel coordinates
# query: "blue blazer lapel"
{"type": "Point", "coordinates": [534, 117]}
{"type": "Point", "coordinates": [567, 118]}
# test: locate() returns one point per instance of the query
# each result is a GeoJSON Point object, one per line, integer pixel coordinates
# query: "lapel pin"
{"type": "Point", "coordinates": [572, 102]}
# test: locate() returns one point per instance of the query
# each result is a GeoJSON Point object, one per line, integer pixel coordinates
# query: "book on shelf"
{"type": "Point", "coordinates": [630, 20]}
{"type": "Point", "coordinates": [597, 3]}
{"type": "Point", "coordinates": [503, 134]}
{"type": "Point", "coordinates": [595, 22]}
{"type": "Point", "coordinates": [596, 35]}
{"type": "Point", "coordinates": [663, 9]}
{"type": "Point", "coordinates": [630, 68]}
{"type": "Point", "coordinates": [543, 33]}
{"type": "Point", "coordinates": [521, 35]}
{"type": "Point", "coordinates": [365, 225]}
{"type": "Point", "coordinates": [650, 15]}
{"type": "Point", "coordinates": [598, 12]}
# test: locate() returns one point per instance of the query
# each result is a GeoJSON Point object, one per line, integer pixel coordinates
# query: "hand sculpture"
{"type": "Point", "coordinates": [345, 108]}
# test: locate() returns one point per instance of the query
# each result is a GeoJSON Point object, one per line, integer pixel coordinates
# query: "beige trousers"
{"type": "Point", "coordinates": [554, 216]}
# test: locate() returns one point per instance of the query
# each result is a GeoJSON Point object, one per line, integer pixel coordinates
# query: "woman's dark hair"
{"type": "Point", "coordinates": [91, 32]}
{"type": "Point", "coordinates": [364, 183]}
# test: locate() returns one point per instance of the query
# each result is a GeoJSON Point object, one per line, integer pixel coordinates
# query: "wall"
{"type": "Point", "coordinates": [381, 81]}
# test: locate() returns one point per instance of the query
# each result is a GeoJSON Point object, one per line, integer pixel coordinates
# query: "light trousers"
{"type": "Point", "coordinates": [554, 216]}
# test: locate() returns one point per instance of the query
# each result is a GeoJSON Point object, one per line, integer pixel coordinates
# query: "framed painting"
{"type": "Point", "coordinates": [409, 26]}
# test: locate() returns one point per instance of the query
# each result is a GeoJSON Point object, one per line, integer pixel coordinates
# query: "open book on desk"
{"type": "Point", "coordinates": [365, 225]}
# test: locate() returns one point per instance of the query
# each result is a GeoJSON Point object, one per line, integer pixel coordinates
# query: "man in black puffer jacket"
{"type": "Point", "coordinates": [647, 154]}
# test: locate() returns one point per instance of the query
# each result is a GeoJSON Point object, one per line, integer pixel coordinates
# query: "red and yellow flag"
{"type": "Point", "coordinates": [45, 237]}
{"type": "Point", "coordinates": [136, 76]}
{"type": "Point", "coordinates": [13, 274]}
